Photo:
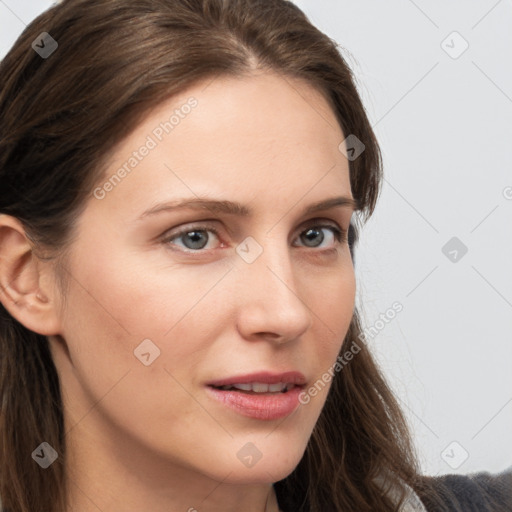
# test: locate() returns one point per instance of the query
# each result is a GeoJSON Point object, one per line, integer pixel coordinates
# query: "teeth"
{"type": "Point", "coordinates": [260, 387]}
{"type": "Point", "coordinates": [244, 387]}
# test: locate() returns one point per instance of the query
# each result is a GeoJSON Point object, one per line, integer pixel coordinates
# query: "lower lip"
{"type": "Point", "coordinates": [259, 406]}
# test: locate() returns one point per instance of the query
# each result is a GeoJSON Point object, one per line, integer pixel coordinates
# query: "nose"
{"type": "Point", "coordinates": [270, 305]}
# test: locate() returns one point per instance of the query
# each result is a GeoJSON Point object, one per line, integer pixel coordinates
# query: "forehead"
{"type": "Point", "coordinates": [256, 136]}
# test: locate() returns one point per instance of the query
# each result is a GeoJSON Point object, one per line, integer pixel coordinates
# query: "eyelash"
{"type": "Point", "coordinates": [340, 234]}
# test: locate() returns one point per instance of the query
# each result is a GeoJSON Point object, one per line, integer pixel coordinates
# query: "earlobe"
{"type": "Point", "coordinates": [22, 287]}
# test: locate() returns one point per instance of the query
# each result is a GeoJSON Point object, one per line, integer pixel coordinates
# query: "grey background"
{"type": "Point", "coordinates": [445, 129]}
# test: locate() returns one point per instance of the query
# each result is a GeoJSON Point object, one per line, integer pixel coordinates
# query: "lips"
{"type": "Point", "coordinates": [263, 395]}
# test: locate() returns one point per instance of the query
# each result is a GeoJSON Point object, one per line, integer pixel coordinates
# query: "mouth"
{"type": "Point", "coordinates": [262, 396]}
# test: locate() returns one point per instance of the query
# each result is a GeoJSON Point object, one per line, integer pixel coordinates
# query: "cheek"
{"type": "Point", "coordinates": [332, 301]}
{"type": "Point", "coordinates": [345, 297]}
{"type": "Point", "coordinates": [134, 298]}
{"type": "Point", "coordinates": [334, 308]}
{"type": "Point", "coordinates": [104, 326]}
{"type": "Point", "coordinates": [114, 304]}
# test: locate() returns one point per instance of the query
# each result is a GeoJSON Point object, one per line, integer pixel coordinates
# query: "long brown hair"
{"type": "Point", "coordinates": [60, 116]}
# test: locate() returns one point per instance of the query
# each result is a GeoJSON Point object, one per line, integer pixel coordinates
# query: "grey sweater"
{"type": "Point", "coordinates": [479, 492]}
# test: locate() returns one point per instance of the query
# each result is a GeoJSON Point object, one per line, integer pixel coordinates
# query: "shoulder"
{"type": "Point", "coordinates": [478, 492]}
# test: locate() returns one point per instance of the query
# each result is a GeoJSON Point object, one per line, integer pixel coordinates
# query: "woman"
{"type": "Point", "coordinates": [173, 337]}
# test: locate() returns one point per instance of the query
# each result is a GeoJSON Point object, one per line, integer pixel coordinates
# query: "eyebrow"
{"type": "Point", "coordinates": [240, 210]}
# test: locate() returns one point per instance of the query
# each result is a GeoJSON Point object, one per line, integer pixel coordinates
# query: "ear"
{"type": "Point", "coordinates": [26, 283]}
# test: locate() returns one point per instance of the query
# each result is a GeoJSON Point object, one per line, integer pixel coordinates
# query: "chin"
{"type": "Point", "coordinates": [267, 473]}
{"type": "Point", "coordinates": [259, 462]}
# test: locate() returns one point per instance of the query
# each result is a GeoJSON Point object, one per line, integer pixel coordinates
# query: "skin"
{"type": "Point", "coordinates": [149, 437]}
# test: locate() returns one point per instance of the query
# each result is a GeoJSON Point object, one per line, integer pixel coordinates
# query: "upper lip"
{"type": "Point", "coordinates": [291, 377]}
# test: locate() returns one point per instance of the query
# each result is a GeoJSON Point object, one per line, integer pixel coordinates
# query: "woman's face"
{"type": "Point", "coordinates": [153, 315]}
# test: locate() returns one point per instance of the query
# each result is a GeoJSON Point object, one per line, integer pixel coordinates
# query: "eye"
{"type": "Point", "coordinates": [196, 238]}
{"type": "Point", "coordinates": [314, 234]}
